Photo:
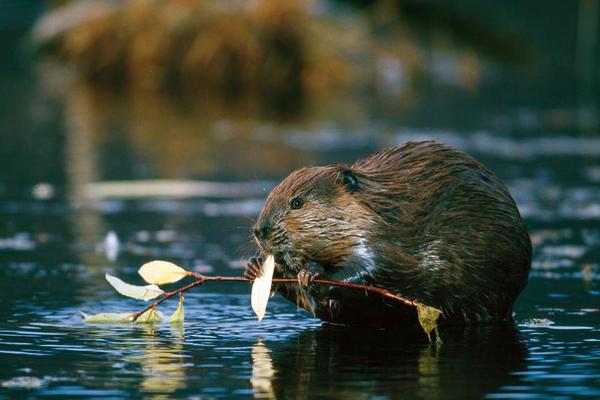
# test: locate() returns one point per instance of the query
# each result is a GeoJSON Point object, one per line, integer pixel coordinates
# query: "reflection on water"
{"type": "Point", "coordinates": [263, 372]}
{"type": "Point", "coordinates": [162, 364]}
{"type": "Point", "coordinates": [333, 362]}
{"type": "Point", "coordinates": [80, 155]}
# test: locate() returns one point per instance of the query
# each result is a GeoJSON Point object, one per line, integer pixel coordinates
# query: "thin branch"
{"type": "Point", "coordinates": [166, 296]}
{"type": "Point", "coordinates": [201, 279]}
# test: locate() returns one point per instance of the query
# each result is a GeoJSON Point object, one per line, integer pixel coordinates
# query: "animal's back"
{"type": "Point", "coordinates": [451, 235]}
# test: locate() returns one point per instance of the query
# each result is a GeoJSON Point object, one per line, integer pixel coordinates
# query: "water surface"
{"type": "Point", "coordinates": [65, 223]}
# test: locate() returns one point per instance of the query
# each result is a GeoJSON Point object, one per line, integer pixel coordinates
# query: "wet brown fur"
{"type": "Point", "coordinates": [422, 220]}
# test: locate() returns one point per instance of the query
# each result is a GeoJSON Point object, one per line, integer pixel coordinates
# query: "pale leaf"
{"type": "Point", "coordinates": [178, 316]}
{"type": "Point", "coordinates": [261, 288]}
{"type": "Point", "coordinates": [147, 292]}
{"type": "Point", "coordinates": [149, 317]}
{"type": "Point", "coordinates": [428, 317]}
{"type": "Point", "coordinates": [107, 318]}
{"type": "Point", "coordinates": [161, 272]}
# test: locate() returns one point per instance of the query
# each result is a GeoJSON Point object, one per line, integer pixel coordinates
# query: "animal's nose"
{"type": "Point", "coordinates": [262, 231]}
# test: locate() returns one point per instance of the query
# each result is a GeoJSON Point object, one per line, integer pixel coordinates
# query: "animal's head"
{"type": "Point", "coordinates": [311, 215]}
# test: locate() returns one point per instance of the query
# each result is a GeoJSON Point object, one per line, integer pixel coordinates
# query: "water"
{"type": "Point", "coordinates": [61, 231]}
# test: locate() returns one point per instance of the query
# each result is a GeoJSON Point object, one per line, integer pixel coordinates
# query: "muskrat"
{"type": "Point", "coordinates": [422, 220]}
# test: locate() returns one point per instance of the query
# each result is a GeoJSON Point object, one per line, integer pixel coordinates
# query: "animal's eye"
{"type": "Point", "coordinates": [296, 203]}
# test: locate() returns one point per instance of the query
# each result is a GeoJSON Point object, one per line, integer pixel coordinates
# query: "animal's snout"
{"type": "Point", "coordinates": [262, 231]}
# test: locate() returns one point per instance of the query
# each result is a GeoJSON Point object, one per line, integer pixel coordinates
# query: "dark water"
{"type": "Point", "coordinates": [60, 231]}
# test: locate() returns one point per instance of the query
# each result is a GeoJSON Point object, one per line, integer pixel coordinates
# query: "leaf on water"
{"type": "Point", "coordinates": [161, 272]}
{"type": "Point", "coordinates": [178, 316]}
{"type": "Point", "coordinates": [428, 317]}
{"type": "Point", "coordinates": [147, 292]}
{"type": "Point", "coordinates": [149, 317]}
{"type": "Point", "coordinates": [107, 318]}
{"type": "Point", "coordinates": [261, 288]}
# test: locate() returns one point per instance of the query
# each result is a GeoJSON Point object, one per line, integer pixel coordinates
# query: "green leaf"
{"type": "Point", "coordinates": [149, 317]}
{"type": "Point", "coordinates": [147, 292]}
{"type": "Point", "coordinates": [428, 317]}
{"type": "Point", "coordinates": [178, 316]}
{"type": "Point", "coordinates": [261, 288]}
{"type": "Point", "coordinates": [107, 318]}
{"type": "Point", "coordinates": [161, 272]}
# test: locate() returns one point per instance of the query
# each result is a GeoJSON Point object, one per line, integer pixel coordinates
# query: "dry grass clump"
{"type": "Point", "coordinates": [266, 47]}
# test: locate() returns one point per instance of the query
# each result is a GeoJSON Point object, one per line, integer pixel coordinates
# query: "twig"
{"type": "Point", "coordinates": [201, 280]}
{"type": "Point", "coordinates": [166, 296]}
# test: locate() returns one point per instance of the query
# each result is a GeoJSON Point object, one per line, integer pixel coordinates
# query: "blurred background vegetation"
{"type": "Point", "coordinates": [276, 51]}
{"type": "Point", "coordinates": [182, 81]}
{"type": "Point", "coordinates": [283, 53]}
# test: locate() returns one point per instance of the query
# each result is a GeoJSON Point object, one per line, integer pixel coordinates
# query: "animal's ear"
{"type": "Point", "coordinates": [348, 179]}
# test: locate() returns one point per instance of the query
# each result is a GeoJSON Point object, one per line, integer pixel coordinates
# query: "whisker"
{"type": "Point", "coordinates": [245, 250]}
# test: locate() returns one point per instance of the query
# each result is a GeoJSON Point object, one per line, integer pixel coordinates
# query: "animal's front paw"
{"type": "Point", "coordinates": [253, 268]}
{"type": "Point", "coordinates": [311, 271]}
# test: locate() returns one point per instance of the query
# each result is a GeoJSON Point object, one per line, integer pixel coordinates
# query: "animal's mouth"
{"type": "Point", "coordinates": [280, 255]}
{"type": "Point", "coordinates": [286, 260]}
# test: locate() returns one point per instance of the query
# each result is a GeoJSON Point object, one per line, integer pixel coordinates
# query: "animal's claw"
{"type": "Point", "coordinates": [253, 268]}
{"type": "Point", "coordinates": [309, 273]}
